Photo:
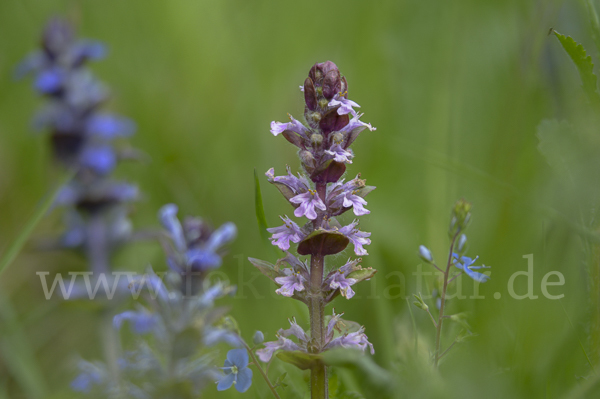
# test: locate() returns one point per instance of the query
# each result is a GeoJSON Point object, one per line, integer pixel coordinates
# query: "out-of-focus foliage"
{"type": "Point", "coordinates": [456, 90]}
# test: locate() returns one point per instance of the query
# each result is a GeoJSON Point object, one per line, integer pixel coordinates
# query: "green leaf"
{"type": "Point", "coordinates": [279, 381]}
{"type": "Point", "coordinates": [584, 64]}
{"type": "Point", "coordinates": [362, 274]}
{"type": "Point", "coordinates": [260, 211]}
{"type": "Point", "coordinates": [362, 192]}
{"type": "Point", "coordinates": [302, 360]}
{"type": "Point", "coordinates": [268, 269]}
{"type": "Point", "coordinates": [323, 242]}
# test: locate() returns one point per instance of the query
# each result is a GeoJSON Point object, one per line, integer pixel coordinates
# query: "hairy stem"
{"type": "Point", "coordinates": [318, 373]}
{"type": "Point", "coordinates": [438, 334]}
{"type": "Point", "coordinates": [316, 305]}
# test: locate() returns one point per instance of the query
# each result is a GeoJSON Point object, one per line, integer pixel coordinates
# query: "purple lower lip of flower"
{"type": "Point", "coordinates": [297, 185]}
{"type": "Point", "coordinates": [295, 126]}
{"type": "Point", "coordinates": [345, 106]}
{"type": "Point", "coordinates": [308, 201]}
{"type": "Point", "coordinates": [354, 340]}
{"type": "Point", "coordinates": [357, 203]}
{"type": "Point", "coordinates": [338, 280]}
{"type": "Point", "coordinates": [282, 343]}
{"type": "Point", "coordinates": [293, 281]}
{"type": "Point", "coordinates": [339, 154]}
{"type": "Point", "coordinates": [357, 238]}
{"type": "Point", "coordinates": [282, 235]}
{"type": "Point", "coordinates": [294, 330]}
{"type": "Point", "coordinates": [353, 129]}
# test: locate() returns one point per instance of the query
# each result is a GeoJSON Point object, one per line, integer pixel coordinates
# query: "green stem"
{"type": "Point", "coordinates": [318, 373]}
{"type": "Point", "coordinates": [438, 334]}
{"type": "Point", "coordinates": [260, 369]}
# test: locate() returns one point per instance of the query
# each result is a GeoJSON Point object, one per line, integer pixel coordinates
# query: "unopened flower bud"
{"type": "Point", "coordinates": [461, 216]}
{"type": "Point", "coordinates": [315, 116]}
{"type": "Point", "coordinates": [425, 254]}
{"type": "Point", "coordinates": [337, 137]}
{"type": "Point", "coordinates": [323, 103]}
{"type": "Point", "coordinates": [316, 139]}
{"type": "Point", "coordinates": [461, 243]}
{"type": "Point", "coordinates": [306, 158]}
{"type": "Point", "coordinates": [258, 338]}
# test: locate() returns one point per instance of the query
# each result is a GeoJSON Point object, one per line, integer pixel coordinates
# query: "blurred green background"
{"type": "Point", "coordinates": [456, 90]}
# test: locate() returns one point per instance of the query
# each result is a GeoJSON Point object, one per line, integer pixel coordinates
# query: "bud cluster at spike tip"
{"type": "Point", "coordinates": [332, 125]}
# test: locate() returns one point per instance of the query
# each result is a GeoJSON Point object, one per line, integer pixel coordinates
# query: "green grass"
{"type": "Point", "coordinates": [456, 91]}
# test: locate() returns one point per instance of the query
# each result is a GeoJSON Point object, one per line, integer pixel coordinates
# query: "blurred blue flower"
{"type": "Point", "coordinates": [86, 380]}
{"type": "Point", "coordinates": [236, 371]}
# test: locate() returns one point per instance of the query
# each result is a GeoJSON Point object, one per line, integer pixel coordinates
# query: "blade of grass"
{"type": "Point", "coordinates": [594, 23]}
{"type": "Point", "coordinates": [578, 340]}
{"type": "Point", "coordinates": [17, 353]}
{"type": "Point", "coordinates": [414, 325]}
{"type": "Point", "coordinates": [17, 245]}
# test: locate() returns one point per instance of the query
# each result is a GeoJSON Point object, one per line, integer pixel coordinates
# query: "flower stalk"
{"type": "Point", "coordinates": [461, 216]}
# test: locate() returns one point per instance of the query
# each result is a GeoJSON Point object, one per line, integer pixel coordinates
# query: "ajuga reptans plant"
{"type": "Point", "coordinates": [461, 216]}
{"type": "Point", "coordinates": [82, 138]}
{"type": "Point", "coordinates": [320, 195]}
{"type": "Point", "coordinates": [178, 324]}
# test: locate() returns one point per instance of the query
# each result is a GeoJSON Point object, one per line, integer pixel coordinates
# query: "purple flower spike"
{"type": "Point", "coordinates": [308, 201]}
{"type": "Point", "coordinates": [345, 106]}
{"type": "Point", "coordinates": [295, 126]}
{"type": "Point", "coordinates": [282, 235]}
{"type": "Point", "coordinates": [357, 238]}
{"type": "Point", "coordinates": [339, 154]}
{"type": "Point", "coordinates": [293, 281]}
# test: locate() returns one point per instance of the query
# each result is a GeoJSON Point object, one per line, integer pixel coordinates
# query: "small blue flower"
{"type": "Point", "coordinates": [425, 254]}
{"type": "Point", "coordinates": [236, 371]}
{"type": "Point", "coordinates": [465, 264]}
